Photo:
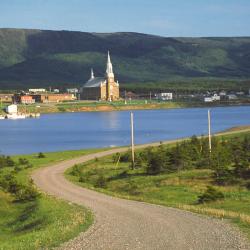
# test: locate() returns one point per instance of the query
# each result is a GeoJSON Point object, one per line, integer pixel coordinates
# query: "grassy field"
{"type": "Point", "coordinates": [180, 189]}
{"type": "Point", "coordinates": [87, 106]}
{"type": "Point", "coordinates": [42, 223]}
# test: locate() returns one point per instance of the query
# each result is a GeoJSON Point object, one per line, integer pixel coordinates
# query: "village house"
{"type": "Point", "coordinates": [42, 98]}
{"type": "Point", "coordinates": [6, 97]}
{"type": "Point", "coordinates": [23, 99]}
{"type": "Point", "coordinates": [45, 98]}
{"type": "Point", "coordinates": [38, 90]}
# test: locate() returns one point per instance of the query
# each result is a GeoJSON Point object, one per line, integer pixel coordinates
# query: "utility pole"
{"type": "Point", "coordinates": [209, 131]}
{"type": "Point", "coordinates": [132, 139]}
{"type": "Point", "coordinates": [150, 96]}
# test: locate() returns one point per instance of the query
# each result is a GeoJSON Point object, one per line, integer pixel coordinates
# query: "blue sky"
{"type": "Point", "coordinates": [159, 17]}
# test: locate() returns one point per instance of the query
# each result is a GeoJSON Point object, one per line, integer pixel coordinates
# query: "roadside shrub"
{"type": "Point", "coordinates": [131, 188]}
{"type": "Point", "coordinates": [29, 165]}
{"type": "Point", "coordinates": [22, 161]}
{"type": "Point", "coordinates": [6, 161]}
{"type": "Point", "coordinates": [101, 182]}
{"type": "Point", "coordinates": [9, 162]}
{"type": "Point", "coordinates": [4, 181]}
{"type": "Point", "coordinates": [139, 162]}
{"type": "Point", "coordinates": [76, 171]}
{"type": "Point", "coordinates": [13, 186]}
{"type": "Point", "coordinates": [126, 157]}
{"type": "Point", "coordinates": [156, 163]}
{"type": "Point", "coordinates": [211, 194]}
{"type": "Point", "coordinates": [82, 178]}
{"type": "Point", "coordinates": [27, 193]}
{"type": "Point", "coordinates": [19, 191]}
{"type": "Point", "coordinates": [17, 168]}
{"type": "Point", "coordinates": [224, 176]}
{"type": "Point", "coordinates": [41, 155]}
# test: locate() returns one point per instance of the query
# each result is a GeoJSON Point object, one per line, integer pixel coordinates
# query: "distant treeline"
{"type": "Point", "coordinates": [188, 86]}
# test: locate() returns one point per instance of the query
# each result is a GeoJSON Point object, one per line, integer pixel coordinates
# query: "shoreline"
{"type": "Point", "coordinates": [53, 108]}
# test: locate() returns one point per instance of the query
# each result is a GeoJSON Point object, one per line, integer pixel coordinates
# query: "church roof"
{"type": "Point", "coordinates": [94, 82]}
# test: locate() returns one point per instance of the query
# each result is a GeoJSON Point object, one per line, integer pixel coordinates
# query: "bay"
{"type": "Point", "coordinates": [70, 131]}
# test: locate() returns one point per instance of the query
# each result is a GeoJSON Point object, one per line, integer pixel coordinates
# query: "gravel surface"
{"type": "Point", "coordinates": [124, 224]}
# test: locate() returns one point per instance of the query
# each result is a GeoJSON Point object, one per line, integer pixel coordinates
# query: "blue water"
{"type": "Point", "coordinates": [55, 132]}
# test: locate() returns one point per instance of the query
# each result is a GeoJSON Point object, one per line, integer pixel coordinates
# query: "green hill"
{"type": "Point", "coordinates": [64, 58]}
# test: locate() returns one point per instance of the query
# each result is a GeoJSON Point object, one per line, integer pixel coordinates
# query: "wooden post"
{"type": "Point", "coordinates": [209, 131]}
{"type": "Point", "coordinates": [132, 139]}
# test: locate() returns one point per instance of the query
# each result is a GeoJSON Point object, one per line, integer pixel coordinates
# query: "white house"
{"type": "Point", "coordinates": [232, 97]}
{"type": "Point", "coordinates": [208, 99]}
{"type": "Point", "coordinates": [11, 109]}
{"type": "Point", "coordinates": [223, 93]}
{"type": "Point", "coordinates": [216, 97]}
{"type": "Point", "coordinates": [213, 98]}
{"type": "Point", "coordinates": [164, 96]}
{"type": "Point", "coordinates": [72, 90]}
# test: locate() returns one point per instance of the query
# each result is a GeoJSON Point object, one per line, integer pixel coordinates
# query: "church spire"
{"type": "Point", "coordinates": [109, 70]}
{"type": "Point", "coordinates": [92, 74]}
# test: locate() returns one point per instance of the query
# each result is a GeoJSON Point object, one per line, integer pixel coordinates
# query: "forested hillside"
{"type": "Point", "coordinates": [64, 58]}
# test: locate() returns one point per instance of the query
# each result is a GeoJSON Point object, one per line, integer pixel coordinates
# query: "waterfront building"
{"type": "Point", "coordinates": [6, 97]}
{"type": "Point", "coordinates": [208, 99]}
{"type": "Point", "coordinates": [232, 97]}
{"type": "Point", "coordinates": [212, 98]}
{"type": "Point", "coordinates": [72, 90]}
{"type": "Point", "coordinates": [11, 109]}
{"type": "Point", "coordinates": [37, 90]}
{"type": "Point", "coordinates": [164, 96]}
{"type": "Point", "coordinates": [23, 98]}
{"type": "Point", "coordinates": [101, 88]}
{"type": "Point", "coordinates": [27, 99]}
{"type": "Point", "coordinates": [45, 98]}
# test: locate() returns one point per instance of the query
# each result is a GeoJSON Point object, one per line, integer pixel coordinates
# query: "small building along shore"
{"type": "Point", "coordinates": [101, 88]}
{"type": "Point", "coordinates": [42, 98]}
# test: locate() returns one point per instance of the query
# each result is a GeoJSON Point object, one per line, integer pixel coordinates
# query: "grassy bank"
{"type": "Point", "coordinates": [43, 222]}
{"type": "Point", "coordinates": [93, 106]}
{"type": "Point", "coordinates": [180, 189]}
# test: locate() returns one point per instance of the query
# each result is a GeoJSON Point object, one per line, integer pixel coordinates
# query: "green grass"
{"type": "Point", "coordinates": [40, 224]}
{"type": "Point", "coordinates": [45, 222]}
{"type": "Point", "coordinates": [78, 106]}
{"type": "Point", "coordinates": [180, 189]}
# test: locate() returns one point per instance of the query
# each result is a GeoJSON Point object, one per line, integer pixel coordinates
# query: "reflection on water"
{"type": "Point", "coordinates": [111, 119]}
{"type": "Point", "coordinates": [54, 132]}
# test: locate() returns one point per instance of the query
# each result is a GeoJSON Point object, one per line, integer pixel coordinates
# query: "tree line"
{"type": "Point", "coordinates": [229, 158]}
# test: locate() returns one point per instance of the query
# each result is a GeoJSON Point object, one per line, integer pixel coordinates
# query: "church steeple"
{"type": "Point", "coordinates": [109, 69]}
{"type": "Point", "coordinates": [92, 74]}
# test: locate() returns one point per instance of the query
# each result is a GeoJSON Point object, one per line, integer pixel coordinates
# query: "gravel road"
{"type": "Point", "coordinates": [124, 224]}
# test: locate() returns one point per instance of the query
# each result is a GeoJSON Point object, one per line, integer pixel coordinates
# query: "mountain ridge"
{"type": "Point", "coordinates": [30, 57]}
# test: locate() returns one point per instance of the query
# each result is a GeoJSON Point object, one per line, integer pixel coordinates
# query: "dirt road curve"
{"type": "Point", "coordinates": [123, 224]}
